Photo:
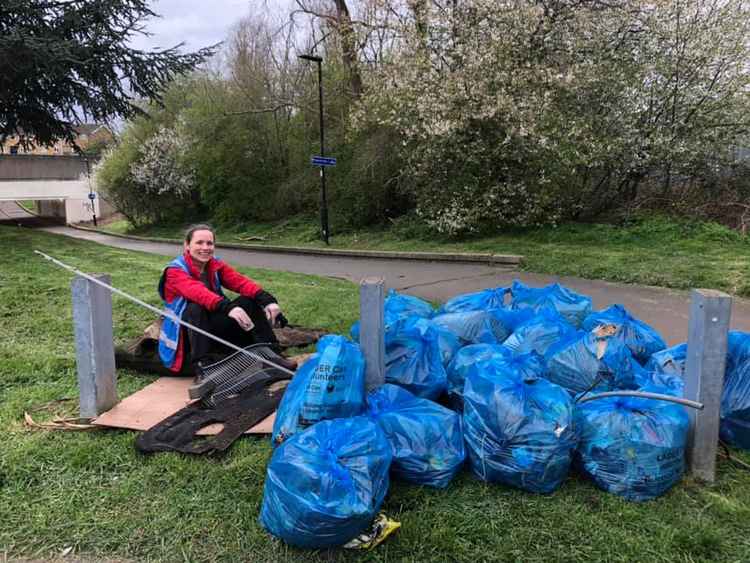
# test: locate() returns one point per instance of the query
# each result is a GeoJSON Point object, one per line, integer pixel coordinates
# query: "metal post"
{"type": "Point", "coordinates": [372, 330]}
{"type": "Point", "coordinates": [710, 313]}
{"type": "Point", "coordinates": [95, 352]}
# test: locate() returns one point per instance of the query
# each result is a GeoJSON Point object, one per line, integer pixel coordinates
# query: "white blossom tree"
{"type": "Point", "coordinates": [150, 178]}
{"type": "Point", "coordinates": [162, 168]}
{"type": "Point", "coordinates": [520, 111]}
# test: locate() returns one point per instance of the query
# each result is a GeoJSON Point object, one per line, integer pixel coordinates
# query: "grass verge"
{"type": "Point", "coordinates": [94, 493]}
{"type": "Point", "coordinates": [649, 250]}
{"type": "Point", "coordinates": [28, 204]}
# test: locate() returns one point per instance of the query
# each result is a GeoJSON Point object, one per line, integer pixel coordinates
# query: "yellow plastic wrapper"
{"type": "Point", "coordinates": [381, 528]}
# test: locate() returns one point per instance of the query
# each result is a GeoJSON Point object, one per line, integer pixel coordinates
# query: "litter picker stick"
{"type": "Point", "coordinates": [163, 312]}
{"type": "Point", "coordinates": [644, 395]}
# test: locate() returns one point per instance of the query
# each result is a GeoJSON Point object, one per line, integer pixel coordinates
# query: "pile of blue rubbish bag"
{"type": "Point", "coordinates": [492, 380]}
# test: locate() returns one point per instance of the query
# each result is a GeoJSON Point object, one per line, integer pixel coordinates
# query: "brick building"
{"type": "Point", "coordinates": [87, 135]}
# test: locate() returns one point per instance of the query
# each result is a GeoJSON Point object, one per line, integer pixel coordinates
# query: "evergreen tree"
{"type": "Point", "coordinates": [66, 62]}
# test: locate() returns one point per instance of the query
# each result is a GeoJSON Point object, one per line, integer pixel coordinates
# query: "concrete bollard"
{"type": "Point", "coordinates": [710, 313]}
{"type": "Point", "coordinates": [372, 330]}
{"type": "Point", "coordinates": [95, 352]}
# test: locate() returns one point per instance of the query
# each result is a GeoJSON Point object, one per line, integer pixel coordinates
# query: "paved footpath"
{"type": "Point", "coordinates": [665, 309]}
{"type": "Point", "coordinates": [11, 211]}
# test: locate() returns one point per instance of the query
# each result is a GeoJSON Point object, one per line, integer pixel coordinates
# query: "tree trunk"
{"type": "Point", "coordinates": [349, 47]}
{"type": "Point", "coordinates": [419, 9]}
{"type": "Point", "coordinates": [667, 184]}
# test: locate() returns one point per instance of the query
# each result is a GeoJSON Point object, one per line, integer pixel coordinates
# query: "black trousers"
{"type": "Point", "coordinates": [201, 348]}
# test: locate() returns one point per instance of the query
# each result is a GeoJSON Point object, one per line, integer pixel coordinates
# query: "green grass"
{"type": "Point", "coordinates": [93, 492]}
{"type": "Point", "coordinates": [29, 204]}
{"type": "Point", "coordinates": [649, 250]}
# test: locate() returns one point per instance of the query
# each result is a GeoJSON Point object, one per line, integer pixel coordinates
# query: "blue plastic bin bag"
{"type": "Point", "coordinates": [632, 447]}
{"type": "Point", "coordinates": [416, 357]}
{"type": "Point", "coordinates": [738, 349]}
{"type": "Point", "coordinates": [492, 298]}
{"type": "Point", "coordinates": [596, 358]}
{"type": "Point", "coordinates": [518, 431]}
{"type": "Point", "coordinates": [670, 360]}
{"type": "Point", "coordinates": [391, 323]}
{"type": "Point", "coordinates": [462, 362]}
{"type": "Point", "coordinates": [331, 384]}
{"type": "Point", "coordinates": [325, 485]}
{"type": "Point", "coordinates": [447, 343]}
{"type": "Point", "coordinates": [396, 307]}
{"type": "Point", "coordinates": [735, 407]}
{"type": "Point", "coordinates": [519, 366]}
{"type": "Point", "coordinates": [492, 326]}
{"type": "Point", "coordinates": [539, 333]}
{"type": "Point", "coordinates": [735, 399]}
{"type": "Point", "coordinates": [426, 439]}
{"type": "Point", "coordinates": [642, 339]}
{"type": "Point", "coordinates": [572, 306]}
{"type": "Point", "coordinates": [407, 305]}
{"type": "Point", "coordinates": [669, 383]}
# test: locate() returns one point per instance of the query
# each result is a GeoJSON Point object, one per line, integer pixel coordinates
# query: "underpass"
{"type": "Point", "coordinates": [13, 213]}
{"type": "Point", "coordinates": [60, 186]}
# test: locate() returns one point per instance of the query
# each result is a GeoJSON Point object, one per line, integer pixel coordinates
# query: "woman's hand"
{"type": "Point", "coordinates": [272, 311]}
{"type": "Point", "coordinates": [242, 318]}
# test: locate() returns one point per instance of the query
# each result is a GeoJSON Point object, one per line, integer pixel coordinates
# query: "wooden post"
{"type": "Point", "coordinates": [710, 312]}
{"type": "Point", "coordinates": [95, 352]}
{"type": "Point", "coordinates": [372, 330]}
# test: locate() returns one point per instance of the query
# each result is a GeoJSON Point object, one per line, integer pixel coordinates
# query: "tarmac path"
{"type": "Point", "coordinates": [667, 310]}
{"type": "Point", "coordinates": [12, 211]}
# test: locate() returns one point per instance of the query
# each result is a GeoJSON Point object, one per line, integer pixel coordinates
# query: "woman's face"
{"type": "Point", "coordinates": [201, 247]}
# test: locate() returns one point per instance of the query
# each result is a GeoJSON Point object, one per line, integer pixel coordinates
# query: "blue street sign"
{"type": "Point", "coordinates": [323, 161]}
{"type": "Point", "coordinates": [92, 196]}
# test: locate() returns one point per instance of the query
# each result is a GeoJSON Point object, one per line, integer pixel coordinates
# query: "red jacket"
{"type": "Point", "coordinates": [178, 283]}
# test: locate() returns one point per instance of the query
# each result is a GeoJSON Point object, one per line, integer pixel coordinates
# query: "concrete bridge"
{"type": "Point", "coordinates": [60, 186]}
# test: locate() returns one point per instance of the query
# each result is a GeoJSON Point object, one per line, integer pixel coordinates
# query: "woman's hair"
{"type": "Point", "coordinates": [198, 227]}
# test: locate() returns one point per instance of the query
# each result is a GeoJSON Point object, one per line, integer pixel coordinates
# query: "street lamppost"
{"type": "Point", "coordinates": [323, 200]}
{"type": "Point", "coordinates": [92, 195]}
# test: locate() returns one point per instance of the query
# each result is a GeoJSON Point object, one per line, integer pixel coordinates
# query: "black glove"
{"type": "Point", "coordinates": [281, 321]}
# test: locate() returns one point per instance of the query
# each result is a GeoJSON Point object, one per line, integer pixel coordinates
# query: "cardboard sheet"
{"type": "Point", "coordinates": [155, 402]}
{"type": "Point", "coordinates": [164, 397]}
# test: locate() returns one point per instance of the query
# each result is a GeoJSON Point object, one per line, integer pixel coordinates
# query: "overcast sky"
{"type": "Point", "coordinates": [197, 23]}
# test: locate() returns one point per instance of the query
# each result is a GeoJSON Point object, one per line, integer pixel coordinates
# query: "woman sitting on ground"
{"type": "Point", "coordinates": [191, 287]}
